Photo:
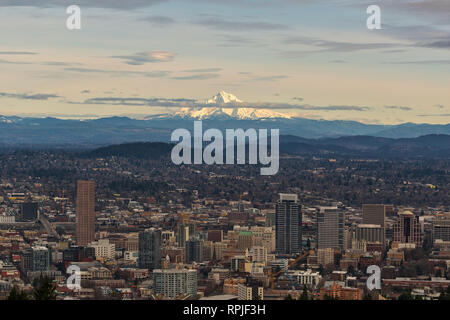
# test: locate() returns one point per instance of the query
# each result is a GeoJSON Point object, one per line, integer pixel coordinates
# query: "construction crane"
{"type": "Point", "coordinates": [276, 274]}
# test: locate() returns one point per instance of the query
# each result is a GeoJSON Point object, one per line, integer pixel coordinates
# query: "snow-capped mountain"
{"type": "Point", "coordinates": [227, 106]}
{"type": "Point", "coordinates": [224, 98]}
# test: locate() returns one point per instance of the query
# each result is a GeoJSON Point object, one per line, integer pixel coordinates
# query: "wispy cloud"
{"type": "Point", "coordinates": [29, 96]}
{"type": "Point", "coordinates": [403, 108]}
{"type": "Point", "coordinates": [148, 74]}
{"type": "Point", "coordinates": [199, 76]}
{"type": "Point", "coordinates": [239, 25]}
{"type": "Point", "coordinates": [141, 58]}
{"type": "Point", "coordinates": [112, 4]}
{"type": "Point", "coordinates": [161, 21]}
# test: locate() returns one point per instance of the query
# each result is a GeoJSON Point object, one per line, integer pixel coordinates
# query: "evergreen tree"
{"type": "Point", "coordinates": [15, 294]}
{"type": "Point", "coordinates": [45, 290]}
{"type": "Point", "coordinates": [304, 295]}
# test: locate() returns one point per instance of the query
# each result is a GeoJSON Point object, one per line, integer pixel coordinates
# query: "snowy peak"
{"type": "Point", "coordinates": [230, 113]}
{"type": "Point", "coordinates": [223, 98]}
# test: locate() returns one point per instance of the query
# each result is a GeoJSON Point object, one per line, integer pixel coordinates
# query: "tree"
{"type": "Point", "coordinates": [405, 296]}
{"type": "Point", "coordinates": [15, 294]}
{"type": "Point", "coordinates": [304, 295]}
{"type": "Point", "coordinates": [45, 290]}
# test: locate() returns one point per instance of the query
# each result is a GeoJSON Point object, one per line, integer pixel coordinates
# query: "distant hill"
{"type": "Point", "coordinates": [140, 150]}
{"type": "Point", "coordinates": [74, 133]}
{"type": "Point", "coordinates": [425, 146]}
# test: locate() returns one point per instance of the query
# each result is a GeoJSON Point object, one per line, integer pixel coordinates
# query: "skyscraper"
{"type": "Point", "coordinates": [288, 223]}
{"type": "Point", "coordinates": [407, 229]}
{"type": "Point", "coordinates": [150, 249]}
{"type": "Point", "coordinates": [194, 250]}
{"type": "Point", "coordinates": [374, 214]}
{"type": "Point", "coordinates": [85, 212]}
{"type": "Point", "coordinates": [330, 228]}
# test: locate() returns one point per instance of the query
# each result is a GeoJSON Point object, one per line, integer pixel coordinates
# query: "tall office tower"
{"type": "Point", "coordinates": [185, 232]}
{"type": "Point", "coordinates": [330, 228]}
{"type": "Point", "coordinates": [29, 211]}
{"type": "Point", "coordinates": [407, 229]}
{"type": "Point", "coordinates": [85, 212]}
{"type": "Point", "coordinates": [36, 259]}
{"type": "Point", "coordinates": [375, 214]}
{"type": "Point", "coordinates": [194, 250]}
{"type": "Point", "coordinates": [174, 282]}
{"type": "Point", "coordinates": [150, 249]}
{"type": "Point", "coordinates": [288, 223]}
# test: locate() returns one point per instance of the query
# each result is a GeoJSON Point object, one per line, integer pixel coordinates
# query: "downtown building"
{"type": "Point", "coordinates": [85, 212]}
{"type": "Point", "coordinates": [288, 222]}
{"type": "Point", "coordinates": [149, 256]}
{"type": "Point", "coordinates": [375, 214]}
{"type": "Point", "coordinates": [172, 283]}
{"type": "Point", "coordinates": [330, 228]}
{"type": "Point", "coordinates": [407, 229]}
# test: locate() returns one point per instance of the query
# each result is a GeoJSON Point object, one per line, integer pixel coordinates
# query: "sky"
{"type": "Point", "coordinates": [310, 58]}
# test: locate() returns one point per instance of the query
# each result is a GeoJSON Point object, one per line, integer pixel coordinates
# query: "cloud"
{"type": "Point", "coordinates": [270, 78]}
{"type": "Point", "coordinates": [17, 53]}
{"type": "Point", "coordinates": [108, 4]}
{"type": "Point", "coordinates": [162, 21]}
{"type": "Point", "coordinates": [199, 76]}
{"type": "Point", "coordinates": [238, 25]}
{"type": "Point", "coordinates": [191, 103]}
{"type": "Point", "coordinates": [148, 74]}
{"type": "Point", "coordinates": [437, 62]}
{"type": "Point", "coordinates": [335, 46]}
{"type": "Point", "coordinates": [203, 70]}
{"type": "Point", "coordinates": [26, 96]}
{"type": "Point", "coordinates": [141, 58]}
{"type": "Point", "coordinates": [398, 108]}
{"type": "Point", "coordinates": [297, 98]}
{"type": "Point", "coordinates": [150, 102]}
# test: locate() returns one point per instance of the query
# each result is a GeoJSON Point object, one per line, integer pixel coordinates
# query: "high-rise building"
{"type": "Point", "coordinates": [185, 232]}
{"type": "Point", "coordinates": [330, 228]}
{"type": "Point", "coordinates": [407, 229]}
{"type": "Point", "coordinates": [85, 212]}
{"type": "Point", "coordinates": [150, 249]}
{"type": "Point", "coordinates": [36, 259]}
{"type": "Point", "coordinates": [194, 250]}
{"type": "Point", "coordinates": [288, 224]}
{"type": "Point", "coordinates": [440, 229]}
{"type": "Point", "coordinates": [375, 214]}
{"type": "Point", "coordinates": [174, 282]}
{"type": "Point", "coordinates": [29, 211]}
{"type": "Point", "coordinates": [370, 233]}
